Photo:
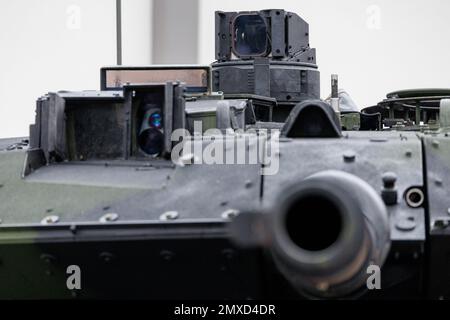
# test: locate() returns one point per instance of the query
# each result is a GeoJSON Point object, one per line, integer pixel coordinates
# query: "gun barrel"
{"type": "Point", "coordinates": [326, 232]}
{"type": "Point", "coordinates": [323, 234]}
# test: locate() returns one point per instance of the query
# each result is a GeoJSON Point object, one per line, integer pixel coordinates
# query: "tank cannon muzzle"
{"type": "Point", "coordinates": [323, 234]}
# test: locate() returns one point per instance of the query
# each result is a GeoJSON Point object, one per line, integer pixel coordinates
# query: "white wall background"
{"type": "Point", "coordinates": [51, 45]}
{"type": "Point", "coordinates": [376, 46]}
{"type": "Point", "coordinates": [137, 31]}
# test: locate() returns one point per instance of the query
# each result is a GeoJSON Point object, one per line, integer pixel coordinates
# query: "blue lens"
{"type": "Point", "coordinates": [155, 120]}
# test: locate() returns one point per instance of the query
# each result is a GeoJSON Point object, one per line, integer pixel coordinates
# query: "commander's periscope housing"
{"type": "Point", "coordinates": [265, 53]}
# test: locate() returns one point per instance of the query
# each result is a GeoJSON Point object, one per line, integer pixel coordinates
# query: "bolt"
{"type": "Point", "coordinates": [406, 225]}
{"type": "Point", "coordinates": [167, 255]}
{"type": "Point", "coordinates": [439, 182]}
{"type": "Point", "coordinates": [248, 184]}
{"type": "Point", "coordinates": [435, 144]}
{"type": "Point", "coordinates": [109, 217]}
{"type": "Point", "coordinates": [230, 214]}
{"type": "Point", "coordinates": [50, 220]}
{"type": "Point", "coordinates": [349, 156]}
{"type": "Point", "coordinates": [408, 153]}
{"type": "Point", "coordinates": [48, 258]}
{"type": "Point", "coordinates": [106, 257]}
{"type": "Point", "coordinates": [169, 215]}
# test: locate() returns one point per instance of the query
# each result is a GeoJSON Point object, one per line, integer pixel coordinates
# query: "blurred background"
{"type": "Point", "coordinates": [376, 46]}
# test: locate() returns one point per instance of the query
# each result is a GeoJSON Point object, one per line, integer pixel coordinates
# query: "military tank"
{"type": "Point", "coordinates": [228, 181]}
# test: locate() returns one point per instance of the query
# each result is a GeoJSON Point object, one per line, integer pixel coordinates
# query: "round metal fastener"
{"type": "Point", "coordinates": [406, 225]}
{"type": "Point", "coordinates": [169, 215]}
{"type": "Point", "coordinates": [167, 255]}
{"type": "Point", "coordinates": [435, 143]}
{"type": "Point", "coordinates": [230, 214]}
{"type": "Point", "coordinates": [109, 217]}
{"type": "Point", "coordinates": [106, 257]}
{"type": "Point", "coordinates": [50, 220]}
{"type": "Point", "coordinates": [349, 156]}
